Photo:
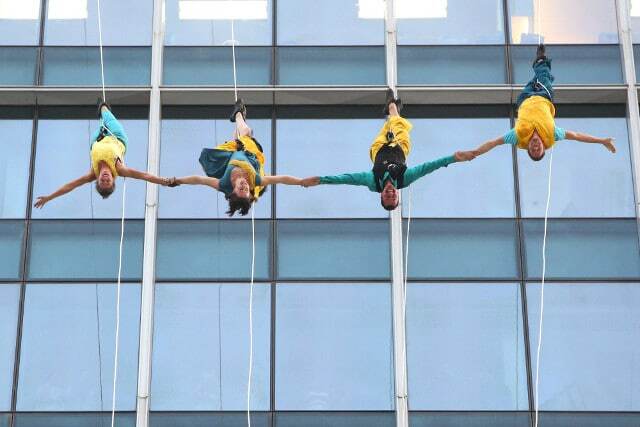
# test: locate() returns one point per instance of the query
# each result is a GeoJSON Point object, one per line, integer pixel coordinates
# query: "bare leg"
{"type": "Point", "coordinates": [242, 128]}
{"type": "Point", "coordinates": [393, 110]}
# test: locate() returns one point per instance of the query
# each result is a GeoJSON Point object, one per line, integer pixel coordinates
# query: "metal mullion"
{"type": "Point", "coordinates": [274, 266]}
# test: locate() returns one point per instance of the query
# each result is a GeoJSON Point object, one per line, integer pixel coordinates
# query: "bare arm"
{"type": "Point", "coordinates": [583, 137]}
{"type": "Point", "coordinates": [136, 174]}
{"type": "Point", "coordinates": [281, 179]}
{"type": "Point", "coordinates": [487, 146]}
{"type": "Point", "coordinates": [69, 186]}
{"type": "Point", "coordinates": [199, 180]}
{"type": "Point", "coordinates": [311, 181]}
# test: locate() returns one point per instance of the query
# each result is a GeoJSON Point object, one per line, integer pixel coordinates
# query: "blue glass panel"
{"type": "Point", "coordinates": [571, 64]}
{"type": "Point", "coordinates": [588, 249]}
{"type": "Point", "coordinates": [9, 299]}
{"type": "Point", "coordinates": [215, 250]}
{"type": "Point", "coordinates": [80, 66]}
{"type": "Point", "coordinates": [195, 419]}
{"type": "Point", "coordinates": [4, 420]}
{"type": "Point", "coordinates": [335, 419]}
{"type": "Point", "coordinates": [463, 249]}
{"type": "Point", "coordinates": [587, 180]}
{"type": "Point", "coordinates": [18, 65]}
{"type": "Point", "coordinates": [20, 25]}
{"type": "Point", "coordinates": [201, 347]}
{"type": "Point", "coordinates": [447, 65]}
{"type": "Point", "coordinates": [331, 66]}
{"type": "Point", "coordinates": [14, 167]}
{"type": "Point", "coordinates": [353, 249]}
{"type": "Point", "coordinates": [456, 191]}
{"type": "Point", "coordinates": [215, 66]}
{"type": "Point", "coordinates": [328, 201]}
{"type": "Point", "coordinates": [11, 234]}
{"type": "Point", "coordinates": [636, 53]}
{"type": "Point", "coordinates": [330, 22]}
{"type": "Point", "coordinates": [84, 250]}
{"type": "Point", "coordinates": [63, 341]}
{"type": "Point", "coordinates": [334, 351]}
{"type": "Point", "coordinates": [476, 362]}
{"type": "Point", "coordinates": [67, 142]}
{"type": "Point", "coordinates": [182, 142]}
{"type": "Point", "coordinates": [554, 419]}
{"type": "Point", "coordinates": [589, 353]}
{"type": "Point", "coordinates": [469, 419]}
{"type": "Point", "coordinates": [73, 420]}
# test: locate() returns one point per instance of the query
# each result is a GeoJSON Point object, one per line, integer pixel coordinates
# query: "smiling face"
{"type": "Point", "coordinates": [536, 147]}
{"type": "Point", "coordinates": [389, 196]}
{"type": "Point", "coordinates": [105, 182]}
{"type": "Point", "coordinates": [241, 188]}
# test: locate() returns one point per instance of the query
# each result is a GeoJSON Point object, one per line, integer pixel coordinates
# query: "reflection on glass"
{"type": "Point", "coordinates": [19, 22]}
{"type": "Point", "coordinates": [9, 296]}
{"type": "Point", "coordinates": [14, 167]}
{"type": "Point", "coordinates": [201, 347]}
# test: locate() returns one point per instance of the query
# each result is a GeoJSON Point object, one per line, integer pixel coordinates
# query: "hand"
{"type": "Point", "coordinates": [464, 156]}
{"type": "Point", "coordinates": [171, 182]}
{"type": "Point", "coordinates": [608, 144]}
{"type": "Point", "coordinates": [40, 201]}
{"type": "Point", "coordinates": [310, 182]}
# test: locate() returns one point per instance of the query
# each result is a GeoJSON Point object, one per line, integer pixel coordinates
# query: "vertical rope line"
{"type": "Point", "coordinates": [406, 274]}
{"type": "Point", "coordinates": [104, 96]}
{"type": "Point", "coordinates": [233, 55]}
{"type": "Point", "coordinates": [539, 23]}
{"type": "Point", "coordinates": [115, 357]}
{"type": "Point", "coordinates": [253, 262]}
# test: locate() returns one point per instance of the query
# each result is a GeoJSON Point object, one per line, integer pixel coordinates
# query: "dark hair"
{"type": "Point", "coordinates": [387, 207]}
{"type": "Point", "coordinates": [236, 203]}
{"type": "Point", "coordinates": [536, 159]}
{"type": "Point", "coordinates": [105, 192]}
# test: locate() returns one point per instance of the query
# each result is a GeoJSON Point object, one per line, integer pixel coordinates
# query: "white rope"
{"type": "Point", "coordinates": [253, 263]}
{"type": "Point", "coordinates": [233, 55]}
{"type": "Point", "coordinates": [104, 96]}
{"type": "Point", "coordinates": [544, 268]}
{"type": "Point", "coordinates": [539, 27]}
{"type": "Point", "coordinates": [406, 272]}
{"type": "Point", "coordinates": [115, 357]}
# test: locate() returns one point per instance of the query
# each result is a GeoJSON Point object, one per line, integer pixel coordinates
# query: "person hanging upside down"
{"type": "Point", "coordinates": [236, 168]}
{"type": "Point", "coordinates": [535, 129]}
{"type": "Point", "coordinates": [109, 144]}
{"type": "Point", "coordinates": [389, 153]}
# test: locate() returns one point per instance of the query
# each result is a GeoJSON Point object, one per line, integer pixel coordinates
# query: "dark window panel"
{"type": "Point", "coordinates": [563, 419]}
{"type": "Point", "coordinates": [57, 419]}
{"type": "Point", "coordinates": [335, 419]}
{"type": "Point", "coordinates": [18, 66]}
{"type": "Point", "coordinates": [208, 419]}
{"type": "Point", "coordinates": [11, 235]}
{"type": "Point", "coordinates": [469, 419]}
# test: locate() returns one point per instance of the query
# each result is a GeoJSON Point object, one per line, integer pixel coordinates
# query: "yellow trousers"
{"type": "Point", "coordinates": [400, 128]}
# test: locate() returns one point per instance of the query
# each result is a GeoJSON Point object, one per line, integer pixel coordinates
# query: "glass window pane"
{"type": "Point", "coordinates": [9, 299]}
{"type": "Point", "coordinates": [213, 250]}
{"type": "Point", "coordinates": [84, 250]}
{"type": "Point", "coordinates": [470, 419]}
{"type": "Point", "coordinates": [456, 191]}
{"type": "Point", "coordinates": [476, 362]}
{"type": "Point", "coordinates": [440, 65]}
{"type": "Point", "coordinates": [14, 167]}
{"type": "Point", "coordinates": [184, 31]}
{"type": "Point", "coordinates": [77, 25]}
{"type": "Point", "coordinates": [64, 342]}
{"type": "Point", "coordinates": [4, 420]}
{"type": "Point", "coordinates": [583, 175]}
{"type": "Point", "coordinates": [589, 249]}
{"type": "Point", "coordinates": [462, 23]}
{"type": "Point", "coordinates": [463, 249]}
{"type": "Point", "coordinates": [20, 22]}
{"type": "Point", "coordinates": [567, 21]}
{"type": "Point", "coordinates": [207, 419]}
{"type": "Point", "coordinates": [182, 142]}
{"type": "Point", "coordinates": [335, 419]}
{"type": "Point", "coordinates": [331, 65]}
{"type": "Point", "coordinates": [201, 347]}
{"type": "Point", "coordinates": [332, 23]}
{"type": "Point", "coordinates": [57, 419]}
{"type": "Point", "coordinates": [333, 351]}
{"type": "Point", "coordinates": [11, 235]}
{"type": "Point", "coordinates": [18, 65]}
{"type": "Point", "coordinates": [336, 249]}
{"type": "Point", "coordinates": [589, 346]}
{"type": "Point", "coordinates": [215, 66]}
{"type": "Point", "coordinates": [559, 419]}
{"type": "Point", "coordinates": [75, 137]}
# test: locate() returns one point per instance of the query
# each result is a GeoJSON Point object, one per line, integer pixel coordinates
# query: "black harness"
{"type": "Point", "coordinates": [389, 159]}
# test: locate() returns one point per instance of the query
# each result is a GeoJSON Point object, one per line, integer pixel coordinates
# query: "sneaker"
{"type": "Point", "coordinates": [540, 54]}
{"type": "Point", "coordinates": [238, 107]}
{"type": "Point", "coordinates": [100, 105]}
{"type": "Point", "coordinates": [391, 99]}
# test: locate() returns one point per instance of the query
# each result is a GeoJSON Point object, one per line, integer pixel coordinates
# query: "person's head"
{"type": "Point", "coordinates": [240, 204]}
{"type": "Point", "coordinates": [536, 147]}
{"type": "Point", "coordinates": [241, 188]}
{"type": "Point", "coordinates": [105, 182]}
{"type": "Point", "coordinates": [389, 197]}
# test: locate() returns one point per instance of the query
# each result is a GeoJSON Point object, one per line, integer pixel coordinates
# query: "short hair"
{"type": "Point", "coordinates": [390, 207]}
{"type": "Point", "coordinates": [240, 204]}
{"type": "Point", "coordinates": [105, 192]}
{"type": "Point", "coordinates": [536, 159]}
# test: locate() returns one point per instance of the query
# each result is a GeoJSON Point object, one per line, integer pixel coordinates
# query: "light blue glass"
{"type": "Point", "coordinates": [20, 24]}
{"type": "Point", "coordinates": [215, 66]}
{"type": "Point", "coordinates": [80, 66]}
{"type": "Point", "coordinates": [606, 419]}
{"type": "Point", "coordinates": [463, 23]}
{"type": "Point", "coordinates": [201, 347]}
{"type": "Point", "coordinates": [300, 139]}
{"type": "Point", "coordinates": [585, 65]}
{"type": "Point", "coordinates": [589, 353]}
{"type": "Point", "coordinates": [636, 53]}
{"type": "Point", "coordinates": [208, 419]}
{"type": "Point", "coordinates": [457, 190]}
{"type": "Point", "coordinates": [589, 249]}
{"type": "Point", "coordinates": [463, 249]}
{"type": "Point", "coordinates": [203, 32]}
{"type": "Point", "coordinates": [214, 250]}
{"type": "Point", "coordinates": [62, 155]}
{"type": "Point", "coordinates": [66, 419]}
{"type": "Point", "coordinates": [124, 23]}
{"type": "Point", "coordinates": [4, 420]}
{"type": "Point", "coordinates": [334, 347]}
{"type": "Point", "coordinates": [84, 250]}
{"type": "Point", "coordinates": [470, 419]}
{"type": "Point", "coordinates": [327, 23]}
{"type": "Point", "coordinates": [18, 66]}
{"type": "Point", "coordinates": [451, 65]}
{"type": "Point", "coordinates": [182, 142]}
{"type": "Point", "coordinates": [587, 180]}
{"type": "Point", "coordinates": [335, 419]}
{"type": "Point", "coordinates": [9, 299]}
{"type": "Point", "coordinates": [14, 167]}
{"type": "Point", "coordinates": [335, 249]}
{"type": "Point", "coordinates": [465, 347]}
{"type": "Point", "coordinates": [63, 342]}
{"type": "Point", "coordinates": [360, 65]}
{"type": "Point", "coordinates": [11, 235]}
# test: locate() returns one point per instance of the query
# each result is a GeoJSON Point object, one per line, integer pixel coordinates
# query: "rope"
{"type": "Point", "coordinates": [104, 96]}
{"type": "Point", "coordinates": [544, 268]}
{"type": "Point", "coordinates": [539, 29]}
{"type": "Point", "coordinates": [253, 263]}
{"type": "Point", "coordinates": [406, 271]}
{"type": "Point", "coordinates": [233, 55]}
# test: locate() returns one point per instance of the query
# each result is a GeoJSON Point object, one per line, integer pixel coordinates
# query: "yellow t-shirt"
{"type": "Point", "coordinates": [536, 113]}
{"type": "Point", "coordinates": [109, 149]}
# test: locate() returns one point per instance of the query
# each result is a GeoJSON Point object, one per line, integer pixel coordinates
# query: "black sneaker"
{"type": "Point", "coordinates": [100, 105]}
{"type": "Point", "coordinates": [391, 99]}
{"type": "Point", "coordinates": [540, 54]}
{"type": "Point", "coordinates": [238, 107]}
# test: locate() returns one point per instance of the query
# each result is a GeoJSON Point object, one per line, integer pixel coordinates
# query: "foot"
{"type": "Point", "coordinates": [238, 107]}
{"type": "Point", "coordinates": [100, 105]}
{"type": "Point", "coordinates": [540, 54]}
{"type": "Point", "coordinates": [391, 99]}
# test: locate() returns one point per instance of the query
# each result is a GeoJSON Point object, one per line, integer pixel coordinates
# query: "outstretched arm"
{"type": "Point", "coordinates": [359, 178]}
{"type": "Point", "coordinates": [69, 186]}
{"type": "Point", "coordinates": [198, 180]}
{"type": "Point", "coordinates": [487, 146]}
{"type": "Point", "coordinates": [413, 174]}
{"type": "Point", "coordinates": [583, 137]}
{"type": "Point", "coordinates": [280, 179]}
{"type": "Point", "coordinates": [136, 174]}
